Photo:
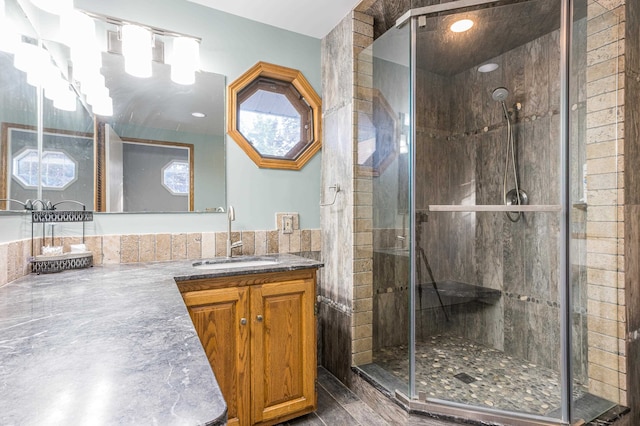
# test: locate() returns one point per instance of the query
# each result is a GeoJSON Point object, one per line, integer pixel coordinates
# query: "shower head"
{"type": "Point", "coordinates": [500, 94]}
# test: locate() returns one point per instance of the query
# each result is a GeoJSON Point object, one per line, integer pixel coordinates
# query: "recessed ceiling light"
{"type": "Point", "coordinates": [488, 67]}
{"type": "Point", "coordinates": [199, 114]}
{"type": "Point", "coordinates": [461, 25]}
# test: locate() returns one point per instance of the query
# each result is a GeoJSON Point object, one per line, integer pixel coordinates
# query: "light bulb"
{"type": "Point", "coordinates": [136, 48]}
{"type": "Point", "coordinates": [461, 25]}
{"type": "Point", "coordinates": [104, 107]}
{"type": "Point", "coordinates": [65, 100]}
{"type": "Point", "coordinates": [185, 60]}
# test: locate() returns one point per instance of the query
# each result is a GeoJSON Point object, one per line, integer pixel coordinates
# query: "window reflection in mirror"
{"type": "Point", "coordinates": [64, 169]}
{"type": "Point", "coordinates": [17, 105]}
{"type": "Point", "coordinates": [64, 146]}
{"type": "Point", "coordinates": [145, 175]}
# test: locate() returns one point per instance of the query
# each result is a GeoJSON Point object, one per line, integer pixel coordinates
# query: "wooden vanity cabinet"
{"type": "Point", "coordinates": [259, 333]}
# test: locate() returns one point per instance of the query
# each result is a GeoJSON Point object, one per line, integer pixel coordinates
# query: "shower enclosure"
{"type": "Point", "coordinates": [477, 144]}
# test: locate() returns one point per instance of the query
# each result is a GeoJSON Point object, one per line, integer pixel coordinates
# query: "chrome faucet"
{"type": "Point", "coordinates": [231, 216]}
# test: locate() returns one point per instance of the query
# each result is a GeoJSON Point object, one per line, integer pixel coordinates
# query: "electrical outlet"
{"type": "Point", "coordinates": [287, 224]}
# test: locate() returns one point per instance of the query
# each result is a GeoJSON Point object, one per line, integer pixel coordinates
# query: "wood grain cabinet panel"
{"type": "Point", "coordinates": [260, 338]}
{"type": "Point", "coordinates": [220, 318]}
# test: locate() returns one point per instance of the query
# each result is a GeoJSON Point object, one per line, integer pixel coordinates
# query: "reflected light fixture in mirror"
{"type": "Point", "coordinates": [65, 100]}
{"type": "Point", "coordinates": [185, 60]}
{"type": "Point", "coordinates": [9, 37]}
{"type": "Point", "coordinates": [41, 71]}
{"type": "Point", "coordinates": [79, 33]}
{"type": "Point", "coordinates": [56, 7]}
{"type": "Point", "coordinates": [136, 48]}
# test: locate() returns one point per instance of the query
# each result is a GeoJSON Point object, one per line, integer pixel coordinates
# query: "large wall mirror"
{"type": "Point", "coordinates": [158, 126]}
{"type": "Point", "coordinates": [162, 149]}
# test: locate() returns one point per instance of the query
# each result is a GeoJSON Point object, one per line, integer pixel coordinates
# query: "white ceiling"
{"type": "Point", "coordinates": [314, 18]}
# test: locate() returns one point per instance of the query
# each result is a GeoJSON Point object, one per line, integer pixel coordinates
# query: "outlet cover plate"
{"type": "Point", "coordinates": [287, 224]}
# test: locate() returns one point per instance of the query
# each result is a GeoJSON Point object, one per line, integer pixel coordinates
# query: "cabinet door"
{"type": "Point", "coordinates": [221, 318]}
{"type": "Point", "coordinates": [283, 347]}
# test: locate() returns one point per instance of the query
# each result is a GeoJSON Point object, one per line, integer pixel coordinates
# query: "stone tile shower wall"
{"type": "Point", "coordinates": [345, 313]}
{"type": "Point", "coordinates": [630, 287]}
{"type": "Point", "coordinates": [520, 259]}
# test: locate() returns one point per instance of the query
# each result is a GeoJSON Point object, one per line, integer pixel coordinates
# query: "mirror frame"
{"type": "Point", "coordinates": [287, 75]}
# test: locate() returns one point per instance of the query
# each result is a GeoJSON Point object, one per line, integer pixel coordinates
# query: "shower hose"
{"type": "Point", "coordinates": [510, 154]}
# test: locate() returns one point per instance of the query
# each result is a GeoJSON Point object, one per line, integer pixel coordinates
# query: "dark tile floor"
{"type": "Point", "coordinates": [338, 406]}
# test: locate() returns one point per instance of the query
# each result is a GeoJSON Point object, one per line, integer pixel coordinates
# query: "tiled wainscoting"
{"type": "Point", "coordinates": [134, 248]}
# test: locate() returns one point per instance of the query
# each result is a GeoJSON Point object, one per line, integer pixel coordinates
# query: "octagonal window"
{"type": "Point", "coordinates": [274, 116]}
{"type": "Point", "coordinates": [58, 169]}
{"type": "Point", "coordinates": [176, 178]}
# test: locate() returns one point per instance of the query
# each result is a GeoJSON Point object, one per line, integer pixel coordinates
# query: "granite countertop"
{"type": "Point", "coordinates": [111, 344]}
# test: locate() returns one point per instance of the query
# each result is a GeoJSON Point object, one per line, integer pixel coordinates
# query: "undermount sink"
{"type": "Point", "coordinates": [235, 262]}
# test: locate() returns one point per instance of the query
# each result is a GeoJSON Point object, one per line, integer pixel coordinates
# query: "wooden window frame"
{"type": "Point", "coordinates": [300, 155]}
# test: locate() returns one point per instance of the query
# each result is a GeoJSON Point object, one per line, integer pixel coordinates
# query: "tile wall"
{"type": "Point", "coordinates": [606, 314]}
{"type": "Point", "coordinates": [109, 249]}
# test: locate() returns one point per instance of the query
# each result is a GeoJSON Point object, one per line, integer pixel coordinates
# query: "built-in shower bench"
{"type": "Point", "coordinates": [455, 293]}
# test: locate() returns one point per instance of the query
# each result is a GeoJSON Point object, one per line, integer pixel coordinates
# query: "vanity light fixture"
{"type": "Point", "coordinates": [139, 44]}
{"type": "Point", "coordinates": [461, 26]}
{"type": "Point", "coordinates": [136, 48]}
{"type": "Point", "coordinates": [185, 60]}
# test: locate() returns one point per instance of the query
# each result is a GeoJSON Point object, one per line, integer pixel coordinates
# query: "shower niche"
{"type": "Point", "coordinates": [479, 232]}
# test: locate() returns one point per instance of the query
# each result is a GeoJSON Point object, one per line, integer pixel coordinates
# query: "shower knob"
{"type": "Point", "coordinates": [511, 199]}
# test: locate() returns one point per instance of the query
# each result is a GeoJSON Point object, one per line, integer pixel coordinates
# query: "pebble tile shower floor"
{"type": "Point", "coordinates": [496, 380]}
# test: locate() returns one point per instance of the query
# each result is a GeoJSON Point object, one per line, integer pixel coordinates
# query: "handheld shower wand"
{"type": "Point", "coordinates": [516, 195]}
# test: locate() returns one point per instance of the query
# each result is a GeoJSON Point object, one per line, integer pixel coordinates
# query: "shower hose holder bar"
{"type": "Point", "coordinates": [550, 208]}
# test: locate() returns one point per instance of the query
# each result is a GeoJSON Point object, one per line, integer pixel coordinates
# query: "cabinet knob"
{"type": "Point", "coordinates": [259, 318]}
{"type": "Point", "coordinates": [243, 321]}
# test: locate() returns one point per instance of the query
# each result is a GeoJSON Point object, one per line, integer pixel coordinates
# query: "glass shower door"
{"type": "Point", "coordinates": [488, 207]}
{"type": "Point", "coordinates": [383, 160]}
